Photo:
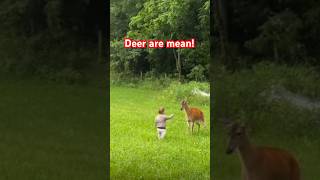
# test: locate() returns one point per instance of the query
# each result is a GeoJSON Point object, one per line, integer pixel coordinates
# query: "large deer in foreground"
{"type": "Point", "coordinates": [193, 115]}
{"type": "Point", "coordinates": [261, 163]}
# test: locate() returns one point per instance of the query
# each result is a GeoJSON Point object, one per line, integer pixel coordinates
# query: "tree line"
{"type": "Point", "coordinates": [284, 32]}
{"type": "Point", "coordinates": [161, 20]}
{"type": "Point", "coordinates": [51, 37]}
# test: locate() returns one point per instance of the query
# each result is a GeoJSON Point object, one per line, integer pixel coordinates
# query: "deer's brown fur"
{"type": "Point", "coordinates": [262, 163]}
{"type": "Point", "coordinates": [193, 115]}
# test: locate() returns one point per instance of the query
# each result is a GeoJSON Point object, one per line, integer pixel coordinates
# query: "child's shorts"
{"type": "Point", "coordinates": [161, 133]}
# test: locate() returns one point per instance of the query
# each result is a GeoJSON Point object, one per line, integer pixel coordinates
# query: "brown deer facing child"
{"type": "Point", "coordinates": [261, 163]}
{"type": "Point", "coordinates": [193, 115]}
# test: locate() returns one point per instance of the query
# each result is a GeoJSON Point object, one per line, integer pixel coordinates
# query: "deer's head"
{"type": "Point", "coordinates": [236, 134]}
{"type": "Point", "coordinates": [184, 104]}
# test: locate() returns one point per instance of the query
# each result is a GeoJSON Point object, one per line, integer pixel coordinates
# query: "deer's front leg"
{"type": "Point", "coordinates": [189, 125]}
{"type": "Point", "coordinates": [192, 127]}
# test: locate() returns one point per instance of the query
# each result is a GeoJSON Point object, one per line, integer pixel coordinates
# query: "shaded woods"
{"type": "Point", "coordinates": [284, 32]}
{"type": "Point", "coordinates": [55, 39]}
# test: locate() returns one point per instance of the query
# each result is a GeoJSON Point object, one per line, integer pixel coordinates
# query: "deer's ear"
{"type": "Point", "coordinates": [227, 123]}
{"type": "Point", "coordinates": [243, 127]}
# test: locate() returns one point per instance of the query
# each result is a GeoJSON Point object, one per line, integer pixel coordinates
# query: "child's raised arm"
{"type": "Point", "coordinates": [169, 117]}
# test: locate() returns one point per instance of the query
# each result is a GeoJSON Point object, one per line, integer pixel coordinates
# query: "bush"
{"type": "Point", "coordinates": [170, 88]}
{"type": "Point", "coordinates": [197, 73]}
{"type": "Point", "coordinates": [177, 92]}
{"type": "Point", "coordinates": [148, 81]}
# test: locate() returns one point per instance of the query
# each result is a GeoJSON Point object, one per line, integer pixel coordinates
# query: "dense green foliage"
{"type": "Point", "coordinates": [278, 31]}
{"type": "Point", "coordinates": [136, 152]}
{"type": "Point", "coordinates": [161, 20]}
{"type": "Point", "coordinates": [50, 38]}
{"type": "Point", "coordinates": [245, 95]}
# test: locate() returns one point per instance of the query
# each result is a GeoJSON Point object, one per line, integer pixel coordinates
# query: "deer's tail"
{"type": "Point", "coordinates": [203, 121]}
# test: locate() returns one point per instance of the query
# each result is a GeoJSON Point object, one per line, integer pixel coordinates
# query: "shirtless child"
{"type": "Point", "coordinates": [160, 123]}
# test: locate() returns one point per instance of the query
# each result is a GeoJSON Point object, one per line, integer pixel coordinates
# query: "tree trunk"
{"type": "Point", "coordinates": [221, 20]}
{"type": "Point", "coordinates": [178, 62]}
{"type": "Point", "coordinates": [179, 65]}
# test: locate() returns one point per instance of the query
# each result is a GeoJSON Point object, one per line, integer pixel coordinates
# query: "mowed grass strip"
{"type": "Point", "coordinates": [136, 153]}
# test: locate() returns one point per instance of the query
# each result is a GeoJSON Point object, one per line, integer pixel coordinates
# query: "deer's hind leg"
{"type": "Point", "coordinates": [202, 122]}
{"type": "Point", "coordinates": [198, 123]}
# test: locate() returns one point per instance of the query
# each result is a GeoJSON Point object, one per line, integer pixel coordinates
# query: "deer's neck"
{"type": "Point", "coordinates": [247, 153]}
{"type": "Point", "coordinates": [187, 109]}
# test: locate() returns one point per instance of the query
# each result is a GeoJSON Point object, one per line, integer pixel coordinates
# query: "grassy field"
{"type": "Point", "coordinates": [136, 153]}
{"type": "Point", "coordinates": [52, 131]}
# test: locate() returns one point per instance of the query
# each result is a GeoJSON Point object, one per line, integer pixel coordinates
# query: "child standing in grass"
{"type": "Point", "coordinates": [161, 119]}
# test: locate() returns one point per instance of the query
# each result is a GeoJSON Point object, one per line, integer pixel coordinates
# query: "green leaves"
{"type": "Point", "coordinates": [164, 20]}
{"type": "Point", "coordinates": [159, 16]}
{"type": "Point", "coordinates": [280, 34]}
